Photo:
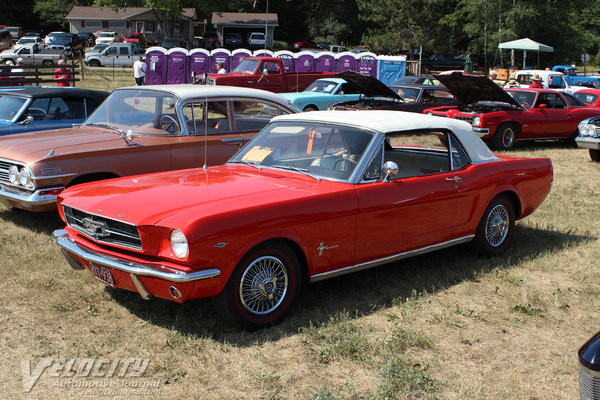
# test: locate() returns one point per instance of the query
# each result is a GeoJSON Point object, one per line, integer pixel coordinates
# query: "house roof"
{"type": "Point", "coordinates": [228, 18]}
{"type": "Point", "coordinates": [107, 13]}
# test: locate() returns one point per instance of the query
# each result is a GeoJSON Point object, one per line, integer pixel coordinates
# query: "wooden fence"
{"type": "Point", "coordinates": [36, 75]}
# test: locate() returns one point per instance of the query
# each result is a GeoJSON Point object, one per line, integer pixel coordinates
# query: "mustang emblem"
{"type": "Point", "coordinates": [322, 247]}
{"type": "Point", "coordinates": [97, 229]}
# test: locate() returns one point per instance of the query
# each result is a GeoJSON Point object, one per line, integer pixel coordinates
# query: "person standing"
{"type": "Point", "coordinates": [221, 69]}
{"type": "Point", "coordinates": [62, 72]}
{"type": "Point", "coordinates": [139, 71]}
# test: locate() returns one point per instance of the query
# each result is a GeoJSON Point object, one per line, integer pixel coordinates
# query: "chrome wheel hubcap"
{"type": "Point", "coordinates": [496, 227]}
{"type": "Point", "coordinates": [508, 138]}
{"type": "Point", "coordinates": [263, 285]}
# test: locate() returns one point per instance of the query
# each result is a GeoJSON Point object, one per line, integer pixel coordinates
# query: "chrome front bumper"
{"type": "Point", "coordinates": [69, 248]}
{"type": "Point", "coordinates": [588, 142]}
{"type": "Point", "coordinates": [481, 132]}
{"type": "Point", "coordinates": [27, 199]}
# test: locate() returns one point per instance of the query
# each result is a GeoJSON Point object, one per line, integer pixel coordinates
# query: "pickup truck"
{"type": "Point", "coordinates": [265, 73]}
{"type": "Point", "coordinates": [123, 54]}
{"type": "Point", "coordinates": [32, 55]}
{"type": "Point", "coordinates": [577, 80]}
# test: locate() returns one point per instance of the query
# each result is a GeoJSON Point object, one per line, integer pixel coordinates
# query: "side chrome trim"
{"type": "Point", "coordinates": [396, 257]}
{"type": "Point", "coordinates": [66, 244]}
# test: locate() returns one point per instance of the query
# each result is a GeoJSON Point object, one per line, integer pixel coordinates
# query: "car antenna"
{"type": "Point", "coordinates": [205, 131]}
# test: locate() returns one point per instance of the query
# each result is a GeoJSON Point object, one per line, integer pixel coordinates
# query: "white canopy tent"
{"type": "Point", "coordinates": [525, 45]}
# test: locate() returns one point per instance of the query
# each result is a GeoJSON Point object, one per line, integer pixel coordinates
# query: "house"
{"type": "Point", "coordinates": [245, 23]}
{"type": "Point", "coordinates": [130, 19]}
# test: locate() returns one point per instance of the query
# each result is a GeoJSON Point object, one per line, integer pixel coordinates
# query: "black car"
{"type": "Point", "coordinates": [233, 40]}
{"type": "Point", "coordinates": [416, 80]}
{"type": "Point", "coordinates": [170, 43]}
{"type": "Point", "coordinates": [443, 62]}
{"type": "Point", "coordinates": [67, 41]}
{"type": "Point", "coordinates": [378, 96]}
{"type": "Point", "coordinates": [87, 38]}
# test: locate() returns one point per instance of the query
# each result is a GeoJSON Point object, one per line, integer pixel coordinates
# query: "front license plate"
{"type": "Point", "coordinates": [103, 274]}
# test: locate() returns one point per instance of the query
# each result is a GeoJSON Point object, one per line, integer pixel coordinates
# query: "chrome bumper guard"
{"type": "Point", "coordinates": [68, 247]}
{"type": "Point", "coordinates": [481, 132]}
{"type": "Point", "coordinates": [27, 199]}
{"type": "Point", "coordinates": [588, 142]}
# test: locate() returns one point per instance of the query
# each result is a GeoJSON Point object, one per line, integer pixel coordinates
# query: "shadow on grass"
{"type": "Point", "coordinates": [361, 293]}
{"type": "Point", "coordinates": [42, 222]}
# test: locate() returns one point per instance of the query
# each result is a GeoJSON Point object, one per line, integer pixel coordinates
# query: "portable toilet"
{"type": "Point", "coordinates": [220, 56]}
{"type": "Point", "coordinates": [305, 61]}
{"type": "Point", "coordinates": [325, 62]}
{"type": "Point", "coordinates": [177, 70]}
{"type": "Point", "coordinates": [345, 61]}
{"type": "Point", "coordinates": [156, 66]}
{"type": "Point", "coordinates": [390, 68]}
{"type": "Point", "coordinates": [367, 64]}
{"type": "Point", "coordinates": [198, 62]}
{"type": "Point", "coordinates": [238, 55]}
{"type": "Point", "coordinates": [262, 53]}
{"type": "Point", "coordinates": [287, 59]}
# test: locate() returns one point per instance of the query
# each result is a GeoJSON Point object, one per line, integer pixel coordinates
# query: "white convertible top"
{"type": "Point", "coordinates": [188, 91]}
{"type": "Point", "coordinates": [396, 122]}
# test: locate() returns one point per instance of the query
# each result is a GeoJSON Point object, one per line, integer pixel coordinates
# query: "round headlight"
{"type": "Point", "coordinates": [179, 243]}
{"type": "Point", "coordinates": [25, 178]}
{"type": "Point", "coordinates": [587, 130]}
{"type": "Point", "coordinates": [13, 174]}
{"type": "Point", "coordinates": [476, 121]}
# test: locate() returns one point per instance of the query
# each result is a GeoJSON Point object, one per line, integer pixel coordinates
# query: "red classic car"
{"type": "Point", "coordinates": [312, 196]}
{"type": "Point", "coordinates": [502, 117]}
{"type": "Point", "coordinates": [591, 97]}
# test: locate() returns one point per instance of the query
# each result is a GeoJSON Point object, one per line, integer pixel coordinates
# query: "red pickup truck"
{"type": "Point", "coordinates": [265, 73]}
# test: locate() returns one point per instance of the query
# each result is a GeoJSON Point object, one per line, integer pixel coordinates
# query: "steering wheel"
{"type": "Point", "coordinates": [339, 164]}
{"type": "Point", "coordinates": [169, 124]}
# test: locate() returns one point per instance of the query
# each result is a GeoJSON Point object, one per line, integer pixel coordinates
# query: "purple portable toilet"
{"type": "Point", "coordinates": [199, 60]}
{"type": "Point", "coordinates": [325, 62]}
{"type": "Point", "coordinates": [305, 61]}
{"type": "Point", "coordinates": [238, 55]}
{"type": "Point", "coordinates": [287, 59]}
{"type": "Point", "coordinates": [263, 53]}
{"type": "Point", "coordinates": [367, 64]}
{"type": "Point", "coordinates": [345, 61]}
{"type": "Point", "coordinates": [177, 59]}
{"type": "Point", "coordinates": [156, 66]}
{"type": "Point", "coordinates": [220, 56]}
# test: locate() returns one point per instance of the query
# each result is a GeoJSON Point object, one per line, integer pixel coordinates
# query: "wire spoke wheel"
{"type": "Point", "coordinates": [496, 227]}
{"type": "Point", "coordinates": [263, 285]}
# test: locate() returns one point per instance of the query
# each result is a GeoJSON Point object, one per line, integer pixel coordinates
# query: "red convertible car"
{"type": "Point", "coordinates": [312, 196]}
{"type": "Point", "coordinates": [502, 117]}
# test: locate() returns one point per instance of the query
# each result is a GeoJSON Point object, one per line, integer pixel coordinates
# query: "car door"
{"type": "Point", "coordinates": [274, 80]}
{"type": "Point", "coordinates": [430, 201]}
{"type": "Point", "coordinates": [52, 112]}
{"type": "Point", "coordinates": [550, 117]}
{"type": "Point", "coordinates": [124, 56]}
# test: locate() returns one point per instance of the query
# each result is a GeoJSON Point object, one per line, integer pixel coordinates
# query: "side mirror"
{"type": "Point", "coordinates": [390, 169]}
{"type": "Point", "coordinates": [542, 105]}
{"type": "Point", "coordinates": [265, 72]}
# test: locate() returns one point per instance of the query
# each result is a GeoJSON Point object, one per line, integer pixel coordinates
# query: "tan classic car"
{"type": "Point", "coordinates": [136, 130]}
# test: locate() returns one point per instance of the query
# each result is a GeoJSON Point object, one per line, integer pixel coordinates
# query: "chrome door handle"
{"type": "Point", "coordinates": [456, 179]}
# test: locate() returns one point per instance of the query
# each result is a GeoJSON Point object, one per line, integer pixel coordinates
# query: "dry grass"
{"type": "Point", "coordinates": [447, 325]}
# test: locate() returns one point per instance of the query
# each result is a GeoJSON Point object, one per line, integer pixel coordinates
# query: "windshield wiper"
{"type": "Point", "coordinates": [245, 163]}
{"type": "Point", "coordinates": [107, 126]}
{"type": "Point", "coordinates": [303, 171]}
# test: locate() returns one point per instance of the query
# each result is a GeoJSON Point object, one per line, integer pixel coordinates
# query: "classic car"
{"type": "Point", "coordinates": [573, 79]}
{"type": "Point", "coordinates": [589, 137]}
{"type": "Point", "coordinates": [443, 62]}
{"type": "Point", "coordinates": [503, 116]}
{"type": "Point", "coordinates": [323, 92]}
{"type": "Point", "coordinates": [136, 130]}
{"type": "Point", "coordinates": [43, 108]}
{"type": "Point", "coordinates": [378, 96]}
{"type": "Point", "coordinates": [312, 196]}
{"type": "Point", "coordinates": [416, 80]}
{"type": "Point", "coordinates": [550, 80]}
{"type": "Point", "coordinates": [589, 368]}
{"type": "Point", "coordinates": [591, 97]}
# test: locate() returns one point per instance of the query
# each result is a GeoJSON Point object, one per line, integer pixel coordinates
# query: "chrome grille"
{"type": "Point", "coordinates": [4, 166]}
{"type": "Point", "coordinates": [462, 118]}
{"type": "Point", "coordinates": [589, 384]}
{"type": "Point", "coordinates": [102, 229]}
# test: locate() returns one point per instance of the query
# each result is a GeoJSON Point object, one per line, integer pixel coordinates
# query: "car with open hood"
{"type": "Point", "coordinates": [323, 92]}
{"type": "Point", "coordinates": [376, 95]}
{"type": "Point", "coordinates": [136, 130]}
{"type": "Point", "coordinates": [313, 196]}
{"type": "Point", "coordinates": [502, 117]}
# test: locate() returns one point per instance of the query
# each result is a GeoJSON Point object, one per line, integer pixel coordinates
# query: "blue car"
{"type": "Point", "coordinates": [43, 108]}
{"type": "Point", "coordinates": [577, 80]}
{"type": "Point", "coordinates": [323, 92]}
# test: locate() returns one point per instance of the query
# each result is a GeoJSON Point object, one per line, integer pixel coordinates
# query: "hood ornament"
{"type": "Point", "coordinates": [128, 138]}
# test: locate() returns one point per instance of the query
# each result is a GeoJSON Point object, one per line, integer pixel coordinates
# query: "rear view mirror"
{"type": "Point", "coordinates": [390, 169]}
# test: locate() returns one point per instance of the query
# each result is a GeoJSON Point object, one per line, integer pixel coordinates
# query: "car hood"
{"type": "Point", "coordinates": [179, 197]}
{"type": "Point", "coordinates": [369, 86]}
{"type": "Point", "coordinates": [470, 89]}
{"type": "Point", "coordinates": [34, 146]}
{"type": "Point", "coordinates": [297, 95]}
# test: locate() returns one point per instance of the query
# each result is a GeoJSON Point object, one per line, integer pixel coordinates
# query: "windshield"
{"type": "Point", "coordinates": [133, 36]}
{"type": "Point", "coordinates": [408, 94]}
{"type": "Point", "coordinates": [322, 86]}
{"type": "Point", "coordinates": [587, 98]}
{"type": "Point", "coordinates": [107, 35]}
{"type": "Point", "coordinates": [10, 106]}
{"type": "Point", "coordinates": [320, 150]}
{"type": "Point", "coordinates": [247, 66]}
{"type": "Point", "coordinates": [143, 111]}
{"type": "Point", "coordinates": [61, 39]}
{"type": "Point", "coordinates": [522, 97]}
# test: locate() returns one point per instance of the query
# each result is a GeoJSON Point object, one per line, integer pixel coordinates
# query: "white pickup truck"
{"type": "Point", "coordinates": [119, 54]}
{"type": "Point", "coordinates": [550, 80]}
{"type": "Point", "coordinates": [32, 55]}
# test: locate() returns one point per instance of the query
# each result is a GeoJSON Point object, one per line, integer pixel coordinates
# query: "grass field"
{"type": "Point", "coordinates": [447, 325]}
